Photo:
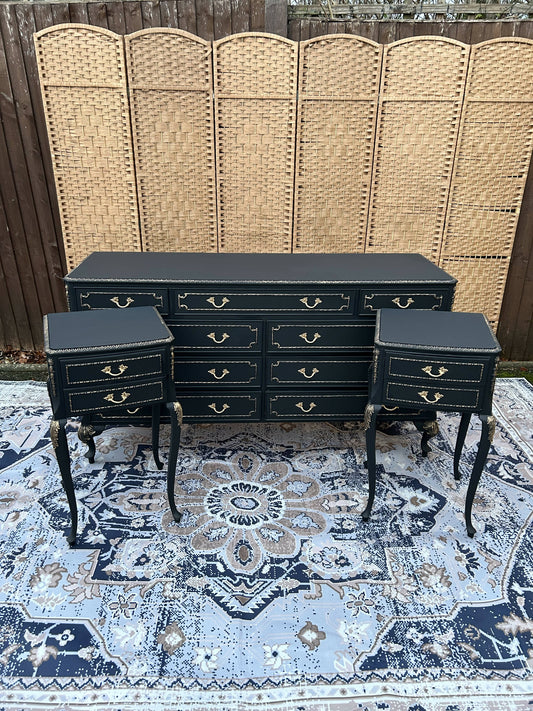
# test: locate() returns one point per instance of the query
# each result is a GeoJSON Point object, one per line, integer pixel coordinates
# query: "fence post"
{"type": "Point", "coordinates": [276, 17]}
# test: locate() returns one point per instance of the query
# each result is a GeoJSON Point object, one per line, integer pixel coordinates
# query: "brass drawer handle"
{"type": "Point", "coordinates": [116, 301]}
{"type": "Point", "coordinates": [313, 373]}
{"type": "Point", "coordinates": [300, 405]}
{"type": "Point", "coordinates": [211, 300]}
{"type": "Point", "coordinates": [132, 412]}
{"type": "Point", "coordinates": [403, 306]}
{"type": "Point", "coordinates": [316, 336]}
{"type": "Point", "coordinates": [220, 340]}
{"type": "Point", "coordinates": [305, 302]}
{"type": "Point", "coordinates": [424, 395]}
{"type": "Point", "coordinates": [429, 368]}
{"type": "Point", "coordinates": [213, 406]}
{"type": "Point", "coordinates": [110, 398]}
{"type": "Point", "coordinates": [213, 372]}
{"type": "Point", "coordinates": [390, 409]}
{"type": "Point", "coordinates": [108, 370]}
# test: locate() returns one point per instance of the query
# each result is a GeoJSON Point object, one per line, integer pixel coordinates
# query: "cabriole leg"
{"type": "Point", "coordinates": [156, 416]}
{"type": "Point", "coordinates": [461, 436]}
{"type": "Point", "coordinates": [370, 428]}
{"type": "Point", "coordinates": [176, 420]}
{"type": "Point", "coordinates": [488, 425]}
{"type": "Point", "coordinates": [59, 442]}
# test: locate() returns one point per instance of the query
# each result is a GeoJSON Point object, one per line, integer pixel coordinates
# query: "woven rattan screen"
{"type": "Point", "coordinates": [491, 166]}
{"type": "Point", "coordinates": [337, 100]}
{"type": "Point", "coordinates": [83, 80]}
{"type": "Point", "coordinates": [258, 144]}
{"type": "Point", "coordinates": [171, 89]}
{"type": "Point", "coordinates": [255, 114]}
{"type": "Point", "coordinates": [422, 86]}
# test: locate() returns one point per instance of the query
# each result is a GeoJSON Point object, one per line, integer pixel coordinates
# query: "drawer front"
{"type": "Point", "coordinates": [126, 396]}
{"type": "Point", "coordinates": [216, 336]}
{"type": "Point", "coordinates": [437, 397]}
{"type": "Point", "coordinates": [224, 373]}
{"type": "Point", "coordinates": [318, 371]}
{"type": "Point", "coordinates": [429, 371]}
{"type": "Point", "coordinates": [112, 369]}
{"type": "Point", "coordinates": [315, 405]}
{"type": "Point", "coordinates": [225, 406]}
{"type": "Point", "coordinates": [320, 336]}
{"type": "Point", "coordinates": [243, 302]}
{"type": "Point", "coordinates": [372, 300]}
{"type": "Point", "coordinates": [122, 298]}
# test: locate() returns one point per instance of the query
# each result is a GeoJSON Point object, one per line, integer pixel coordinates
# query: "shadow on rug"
{"type": "Point", "coordinates": [271, 593]}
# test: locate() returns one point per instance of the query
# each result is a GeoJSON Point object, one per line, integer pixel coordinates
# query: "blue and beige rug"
{"type": "Point", "coordinates": [271, 593]}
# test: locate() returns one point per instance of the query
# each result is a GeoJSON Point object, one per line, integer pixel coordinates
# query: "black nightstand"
{"type": "Point", "coordinates": [109, 360]}
{"type": "Point", "coordinates": [434, 360]}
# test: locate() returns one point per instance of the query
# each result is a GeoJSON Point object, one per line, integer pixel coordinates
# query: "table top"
{"type": "Point", "coordinates": [435, 330]}
{"type": "Point", "coordinates": [104, 329]}
{"type": "Point", "coordinates": [240, 268]}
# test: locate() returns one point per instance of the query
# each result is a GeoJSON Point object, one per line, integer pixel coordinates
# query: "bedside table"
{"type": "Point", "coordinates": [109, 360]}
{"type": "Point", "coordinates": [434, 360]}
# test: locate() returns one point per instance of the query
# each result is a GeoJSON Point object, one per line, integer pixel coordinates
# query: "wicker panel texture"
{"type": "Point", "coordinates": [421, 91]}
{"type": "Point", "coordinates": [493, 156]}
{"type": "Point", "coordinates": [171, 88]}
{"type": "Point", "coordinates": [338, 93]}
{"type": "Point", "coordinates": [255, 143]}
{"type": "Point", "coordinates": [83, 82]}
{"type": "Point", "coordinates": [255, 113]}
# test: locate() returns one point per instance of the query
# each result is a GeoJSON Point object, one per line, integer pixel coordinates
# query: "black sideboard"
{"type": "Point", "coordinates": [264, 336]}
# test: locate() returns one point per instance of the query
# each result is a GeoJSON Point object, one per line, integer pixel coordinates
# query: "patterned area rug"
{"type": "Point", "coordinates": [271, 593]}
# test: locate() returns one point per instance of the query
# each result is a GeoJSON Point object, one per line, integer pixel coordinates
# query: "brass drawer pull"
{"type": "Point", "coordinates": [213, 406]}
{"type": "Point", "coordinates": [116, 301]}
{"type": "Point", "coordinates": [132, 412]}
{"type": "Point", "coordinates": [403, 306]}
{"type": "Point", "coordinates": [305, 302]}
{"type": "Point", "coordinates": [313, 373]}
{"type": "Point", "coordinates": [220, 340]}
{"type": "Point", "coordinates": [300, 405]}
{"type": "Point", "coordinates": [390, 409]}
{"type": "Point", "coordinates": [316, 336]}
{"type": "Point", "coordinates": [108, 370]}
{"type": "Point", "coordinates": [211, 300]}
{"type": "Point", "coordinates": [424, 395]}
{"type": "Point", "coordinates": [110, 398]}
{"type": "Point", "coordinates": [429, 368]}
{"type": "Point", "coordinates": [213, 372]}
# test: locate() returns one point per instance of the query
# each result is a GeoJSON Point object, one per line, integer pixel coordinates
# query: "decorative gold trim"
{"type": "Point", "coordinates": [431, 428]}
{"type": "Point", "coordinates": [323, 326]}
{"type": "Point", "coordinates": [54, 433]}
{"type": "Point", "coordinates": [491, 422]}
{"type": "Point", "coordinates": [144, 359]}
{"type": "Point", "coordinates": [250, 301]}
{"type": "Point", "coordinates": [129, 296]}
{"type": "Point", "coordinates": [367, 418]}
{"type": "Point", "coordinates": [397, 297]}
{"type": "Point", "coordinates": [395, 372]}
{"type": "Point", "coordinates": [86, 433]}
{"type": "Point", "coordinates": [179, 411]}
{"type": "Point", "coordinates": [459, 406]}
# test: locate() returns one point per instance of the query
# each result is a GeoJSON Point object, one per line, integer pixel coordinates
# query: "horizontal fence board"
{"type": "Point", "coordinates": [384, 10]}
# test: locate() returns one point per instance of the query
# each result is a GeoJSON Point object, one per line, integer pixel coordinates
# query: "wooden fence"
{"type": "Point", "coordinates": [32, 261]}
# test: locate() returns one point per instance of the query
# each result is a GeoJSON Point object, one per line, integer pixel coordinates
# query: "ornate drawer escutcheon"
{"type": "Point", "coordinates": [223, 337]}
{"type": "Point", "coordinates": [213, 372]}
{"type": "Point", "coordinates": [306, 338]}
{"type": "Point", "coordinates": [425, 396]}
{"type": "Point", "coordinates": [429, 370]}
{"type": "Point", "coordinates": [123, 397]}
{"type": "Point", "coordinates": [213, 406]}
{"type": "Point", "coordinates": [108, 370]}
{"type": "Point", "coordinates": [314, 372]}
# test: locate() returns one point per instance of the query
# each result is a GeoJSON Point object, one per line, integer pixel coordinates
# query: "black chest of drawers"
{"type": "Point", "coordinates": [264, 336]}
